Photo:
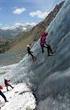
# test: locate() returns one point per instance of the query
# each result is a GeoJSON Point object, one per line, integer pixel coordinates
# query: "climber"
{"type": "Point", "coordinates": [43, 44]}
{"type": "Point", "coordinates": [30, 53]}
{"type": "Point", "coordinates": [1, 93]}
{"type": "Point", "coordinates": [6, 82]}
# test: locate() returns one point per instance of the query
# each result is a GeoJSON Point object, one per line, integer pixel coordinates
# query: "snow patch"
{"type": "Point", "coordinates": [20, 98]}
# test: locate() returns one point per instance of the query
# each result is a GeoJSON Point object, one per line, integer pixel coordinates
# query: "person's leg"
{"type": "Point", "coordinates": [10, 86]}
{"type": "Point", "coordinates": [50, 49]}
{"type": "Point", "coordinates": [42, 49]}
{"type": "Point", "coordinates": [3, 96]}
{"type": "Point", "coordinates": [7, 87]}
{"type": "Point", "coordinates": [33, 57]}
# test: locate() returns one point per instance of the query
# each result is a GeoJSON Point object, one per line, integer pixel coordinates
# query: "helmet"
{"type": "Point", "coordinates": [28, 45]}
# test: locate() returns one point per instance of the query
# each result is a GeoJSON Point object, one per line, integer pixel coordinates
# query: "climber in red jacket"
{"type": "Point", "coordinates": [6, 82]}
{"type": "Point", "coordinates": [1, 93]}
{"type": "Point", "coordinates": [43, 43]}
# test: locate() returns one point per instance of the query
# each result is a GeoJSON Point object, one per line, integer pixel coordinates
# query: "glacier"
{"type": "Point", "coordinates": [49, 77]}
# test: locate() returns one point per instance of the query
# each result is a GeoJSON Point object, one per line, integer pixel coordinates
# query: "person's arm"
{"type": "Point", "coordinates": [30, 49]}
{"type": "Point", "coordinates": [8, 80]}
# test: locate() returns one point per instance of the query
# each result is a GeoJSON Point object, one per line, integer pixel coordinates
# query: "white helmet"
{"type": "Point", "coordinates": [28, 45]}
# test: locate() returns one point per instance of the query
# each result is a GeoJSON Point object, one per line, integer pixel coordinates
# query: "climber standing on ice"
{"type": "Point", "coordinates": [43, 43]}
{"type": "Point", "coordinates": [1, 93]}
{"type": "Point", "coordinates": [30, 53]}
{"type": "Point", "coordinates": [6, 82]}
